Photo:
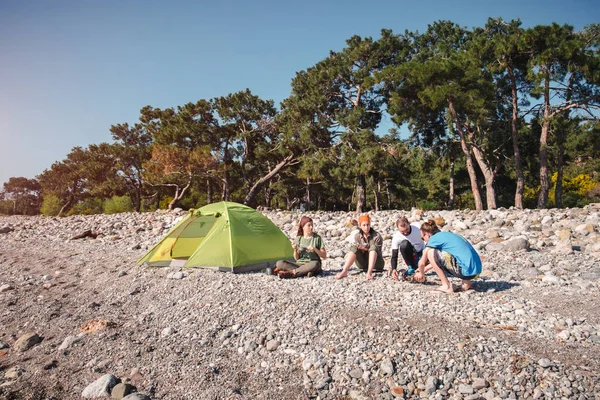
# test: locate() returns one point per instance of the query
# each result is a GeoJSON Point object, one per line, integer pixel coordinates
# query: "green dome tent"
{"type": "Point", "coordinates": [225, 236]}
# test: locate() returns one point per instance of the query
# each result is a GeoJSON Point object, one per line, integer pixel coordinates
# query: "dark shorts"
{"type": "Point", "coordinates": [448, 263]}
{"type": "Point", "coordinates": [362, 260]}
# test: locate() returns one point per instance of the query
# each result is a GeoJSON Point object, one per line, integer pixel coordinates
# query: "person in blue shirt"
{"type": "Point", "coordinates": [448, 254]}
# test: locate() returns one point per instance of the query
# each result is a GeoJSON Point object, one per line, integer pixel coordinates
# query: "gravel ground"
{"type": "Point", "coordinates": [76, 310]}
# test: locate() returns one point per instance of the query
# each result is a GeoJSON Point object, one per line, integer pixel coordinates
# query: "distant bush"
{"type": "Point", "coordinates": [87, 207]}
{"type": "Point", "coordinates": [164, 202]}
{"type": "Point", "coordinates": [51, 205]}
{"type": "Point", "coordinates": [117, 204]}
{"type": "Point", "coordinates": [6, 207]}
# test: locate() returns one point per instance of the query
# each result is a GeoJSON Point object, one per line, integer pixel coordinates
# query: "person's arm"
{"type": "Point", "coordinates": [423, 262]}
{"type": "Point", "coordinates": [394, 259]}
{"type": "Point", "coordinates": [319, 248]}
{"type": "Point", "coordinates": [320, 252]}
{"type": "Point", "coordinates": [296, 247]}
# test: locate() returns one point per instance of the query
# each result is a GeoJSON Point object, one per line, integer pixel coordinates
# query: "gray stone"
{"type": "Point", "coordinates": [592, 275]}
{"type": "Point", "coordinates": [431, 384]}
{"type": "Point", "coordinates": [3, 345]}
{"type": "Point", "coordinates": [465, 389]}
{"type": "Point", "coordinates": [272, 345]}
{"type": "Point", "coordinates": [516, 244]}
{"type": "Point", "coordinates": [356, 373]}
{"type": "Point", "coordinates": [5, 288]}
{"type": "Point", "coordinates": [6, 229]}
{"type": "Point", "coordinates": [493, 246]}
{"type": "Point", "coordinates": [121, 390]}
{"type": "Point", "coordinates": [101, 387]}
{"type": "Point", "coordinates": [70, 341]}
{"type": "Point", "coordinates": [553, 279]}
{"type": "Point", "coordinates": [479, 383]}
{"type": "Point", "coordinates": [530, 273]}
{"type": "Point", "coordinates": [544, 362]}
{"type": "Point", "coordinates": [387, 367]}
{"type": "Point", "coordinates": [168, 331]}
{"type": "Point", "coordinates": [27, 341]}
{"type": "Point", "coordinates": [13, 373]}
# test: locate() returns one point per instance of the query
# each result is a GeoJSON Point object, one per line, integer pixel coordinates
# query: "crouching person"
{"type": "Point", "coordinates": [366, 251]}
{"type": "Point", "coordinates": [309, 249]}
{"type": "Point", "coordinates": [448, 254]}
{"type": "Point", "coordinates": [408, 243]}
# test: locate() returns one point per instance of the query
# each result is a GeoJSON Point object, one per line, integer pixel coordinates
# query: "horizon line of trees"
{"type": "Point", "coordinates": [498, 116]}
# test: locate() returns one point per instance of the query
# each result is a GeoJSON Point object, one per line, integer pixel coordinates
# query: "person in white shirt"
{"type": "Point", "coordinates": [406, 241]}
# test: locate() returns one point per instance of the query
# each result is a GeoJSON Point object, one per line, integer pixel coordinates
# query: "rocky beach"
{"type": "Point", "coordinates": [79, 319]}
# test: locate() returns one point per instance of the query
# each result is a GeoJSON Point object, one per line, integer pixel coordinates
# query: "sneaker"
{"type": "Point", "coordinates": [410, 271]}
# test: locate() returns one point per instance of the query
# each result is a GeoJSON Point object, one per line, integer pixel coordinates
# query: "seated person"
{"type": "Point", "coordinates": [407, 240]}
{"type": "Point", "coordinates": [366, 251]}
{"type": "Point", "coordinates": [309, 249]}
{"type": "Point", "coordinates": [448, 253]}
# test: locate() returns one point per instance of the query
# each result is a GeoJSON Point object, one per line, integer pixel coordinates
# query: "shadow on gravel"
{"type": "Point", "coordinates": [492, 286]}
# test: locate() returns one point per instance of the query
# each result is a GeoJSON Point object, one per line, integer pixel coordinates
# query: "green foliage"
{"type": "Point", "coordinates": [117, 204]}
{"type": "Point", "coordinates": [88, 206]}
{"type": "Point", "coordinates": [51, 205]}
{"type": "Point", "coordinates": [6, 207]}
{"type": "Point", "coordinates": [164, 203]}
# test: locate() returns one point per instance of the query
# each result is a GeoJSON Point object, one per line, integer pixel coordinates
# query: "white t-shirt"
{"type": "Point", "coordinates": [414, 237]}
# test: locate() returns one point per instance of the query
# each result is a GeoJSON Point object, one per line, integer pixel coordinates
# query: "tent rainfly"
{"type": "Point", "coordinates": [225, 236]}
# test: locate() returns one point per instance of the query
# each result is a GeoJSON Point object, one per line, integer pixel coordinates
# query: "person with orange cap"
{"type": "Point", "coordinates": [366, 250]}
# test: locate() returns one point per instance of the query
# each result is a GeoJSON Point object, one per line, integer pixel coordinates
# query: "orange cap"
{"type": "Point", "coordinates": [364, 218]}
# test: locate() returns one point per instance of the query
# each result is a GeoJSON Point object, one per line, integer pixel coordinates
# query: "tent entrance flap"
{"type": "Point", "coordinates": [191, 235]}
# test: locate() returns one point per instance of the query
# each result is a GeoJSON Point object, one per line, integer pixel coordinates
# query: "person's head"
{"type": "Point", "coordinates": [403, 226]}
{"type": "Point", "coordinates": [305, 227]}
{"type": "Point", "coordinates": [364, 223]}
{"type": "Point", "coordinates": [428, 229]}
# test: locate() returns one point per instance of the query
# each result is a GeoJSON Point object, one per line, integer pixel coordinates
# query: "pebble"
{"type": "Point", "coordinates": [101, 387]}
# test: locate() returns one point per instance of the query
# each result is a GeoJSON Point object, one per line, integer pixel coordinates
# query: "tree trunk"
{"type": "Point", "coordinates": [209, 199]}
{"type": "Point", "coordinates": [65, 206]}
{"type": "Point", "coordinates": [251, 196]}
{"type": "Point", "coordinates": [544, 184]}
{"type": "Point", "coordinates": [307, 194]}
{"type": "Point", "coordinates": [387, 192]}
{"type": "Point", "coordinates": [515, 139]}
{"type": "Point", "coordinates": [451, 188]}
{"type": "Point", "coordinates": [225, 189]}
{"type": "Point", "coordinates": [376, 200]}
{"type": "Point", "coordinates": [137, 198]}
{"type": "Point", "coordinates": [469, 160]}
{"type": "Point", "coordinates": [178, 194]}
{"type": "Point", "coordinates": [488, 173]}
{"type": "Point", "coordinates": [361, 197]}
{"type": "Point", "coordinates": [558, 202]}
{"type": "Point", "coordinates": [561, 138]}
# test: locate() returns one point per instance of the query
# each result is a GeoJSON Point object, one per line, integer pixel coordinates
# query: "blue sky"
{"type": "Point", "coordinates": [71, 69]}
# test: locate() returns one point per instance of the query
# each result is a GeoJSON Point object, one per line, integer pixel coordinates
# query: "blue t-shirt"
{"type": "Point", "coordinates": [460, 248]}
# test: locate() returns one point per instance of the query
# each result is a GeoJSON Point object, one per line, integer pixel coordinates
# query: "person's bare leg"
{"type": "Point", "coordinates": [466, 284]}
{"type": "Point", "coordinates": [372, 261]}
{"type": "Point", "coordinates": [350, 258]}
{"type": "Point", "coordinates": [446, 285]}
